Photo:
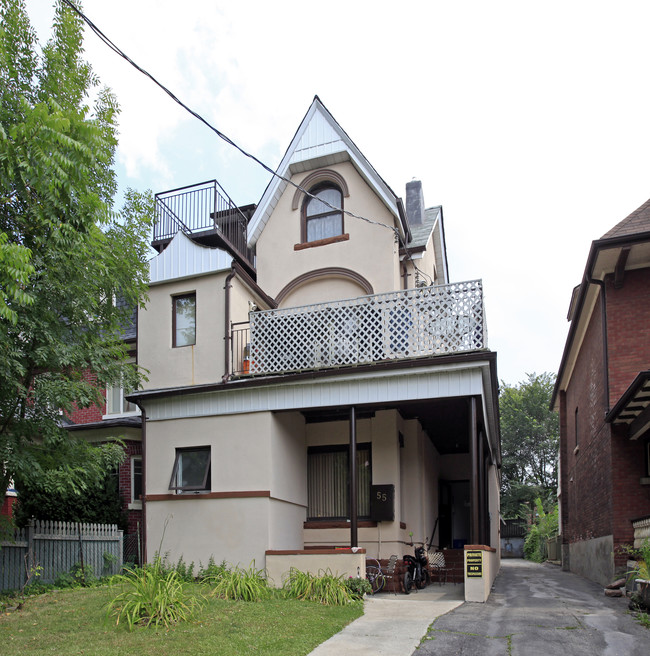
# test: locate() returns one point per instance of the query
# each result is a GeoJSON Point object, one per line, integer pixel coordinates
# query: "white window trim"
{"type": "Point", "coordinates": [117, 415]}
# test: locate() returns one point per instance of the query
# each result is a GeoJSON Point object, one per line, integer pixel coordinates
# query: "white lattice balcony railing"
{"type": "Point", "coordinates": [403, 324]}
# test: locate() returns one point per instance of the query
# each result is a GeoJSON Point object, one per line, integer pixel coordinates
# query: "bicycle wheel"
{"type": "Point", "coordinates": [376, 578]}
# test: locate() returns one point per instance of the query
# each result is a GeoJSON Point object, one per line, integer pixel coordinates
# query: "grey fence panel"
{"type": "Point", "coordinates": [12, 561]}
{"type": "Point", "coordinates": [52, 548]}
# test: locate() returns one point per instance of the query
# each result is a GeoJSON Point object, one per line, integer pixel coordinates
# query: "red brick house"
{"type": "Point", "coordinates": [603, 396]}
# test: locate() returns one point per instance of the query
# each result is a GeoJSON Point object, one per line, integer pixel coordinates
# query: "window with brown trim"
{"type": "Point", "coordinates": [328, 482]}
{"type": "Point", "coordinates": [319, 219]}
{"type": "Point", "coordinates": [191, 472]}
{"type": "Point", "coordinates": [184, 320]}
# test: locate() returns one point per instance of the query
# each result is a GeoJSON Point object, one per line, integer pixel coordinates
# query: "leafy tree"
{"type": "Point", "coordinates": [529, 443]}
{"type": "Point", "coordinates": [101, 503]}
{"type": "Point", "coordinates": [65, 254]}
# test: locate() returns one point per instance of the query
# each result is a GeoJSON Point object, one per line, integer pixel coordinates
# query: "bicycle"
{"type": "Point", "coordinates": [375, 575]}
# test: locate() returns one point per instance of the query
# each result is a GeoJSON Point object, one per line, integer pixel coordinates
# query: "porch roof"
{"type": "Point", "coordinates": [405, 384]}
{"type": "Point", "coordinates": [633, 408]}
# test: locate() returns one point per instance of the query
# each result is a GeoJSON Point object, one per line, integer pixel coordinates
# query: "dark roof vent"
{"type": "Point", "coordinates": [414, 202]}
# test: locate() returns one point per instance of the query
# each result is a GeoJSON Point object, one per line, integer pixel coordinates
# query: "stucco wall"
{"type": "Point", "coordinates": [187, 365]}
{"type": "Point", "coordinates": [260, 454]}
{"type": "Point", "coordinates": [371, 250]}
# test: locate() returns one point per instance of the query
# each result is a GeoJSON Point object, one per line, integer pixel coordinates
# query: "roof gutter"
{"type": "Point", "coordinates": [603, 319]}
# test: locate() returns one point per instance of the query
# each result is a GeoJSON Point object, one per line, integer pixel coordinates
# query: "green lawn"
{"type": "Point", "coordinates": [74, 622]}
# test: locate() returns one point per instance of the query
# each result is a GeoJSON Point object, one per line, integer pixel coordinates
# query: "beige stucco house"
{"type": "Point", "coordinates": [281, 338]}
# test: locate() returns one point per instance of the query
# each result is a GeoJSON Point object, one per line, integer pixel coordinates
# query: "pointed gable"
{"type": "Point", "coordinates": [636, 223]}
{"type": "Point", "coordinates": [184, 258]}
{"type": "Point", "coordinates": [320, 141]}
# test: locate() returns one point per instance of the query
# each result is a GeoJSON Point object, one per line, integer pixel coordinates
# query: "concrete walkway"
{"type": "Point", "coordinates": [539, 609]}
{"type": "Point", "coordinates": [393, 624]}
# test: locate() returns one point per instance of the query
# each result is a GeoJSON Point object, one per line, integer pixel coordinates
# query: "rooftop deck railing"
{"type": "Point", "coordinates": [410, 323]}
{"type": "Point", "coordinates": [201, 208]}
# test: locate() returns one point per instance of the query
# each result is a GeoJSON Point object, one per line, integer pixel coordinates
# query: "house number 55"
{"type": "Point", "coordinates": [381, 496]}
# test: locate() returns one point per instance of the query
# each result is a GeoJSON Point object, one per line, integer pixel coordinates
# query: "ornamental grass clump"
{"type": "Point", "coordinates": [152, 596]}
{"type": "Point", "coordinates": [238, 584]}
{"type": "Point", "coordinates": [324, 588]}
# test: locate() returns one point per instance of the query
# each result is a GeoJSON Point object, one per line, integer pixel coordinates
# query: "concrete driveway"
{"type": "Point", "coordinates": [538, 609]}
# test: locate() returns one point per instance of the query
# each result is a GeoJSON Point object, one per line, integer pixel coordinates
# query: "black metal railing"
{"type": "Point", "coordinates": [202, 208]}
{"type": "Point", "coordinates": [240, 356]}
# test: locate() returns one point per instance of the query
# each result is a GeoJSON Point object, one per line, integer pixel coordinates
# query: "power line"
{"type": "Point", "coordinates": [227, 139]}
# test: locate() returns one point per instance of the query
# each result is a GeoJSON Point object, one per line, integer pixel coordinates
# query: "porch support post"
{"type": "Point", "coordinates": [353, 478]}
{"type": "Point", "coordinates": [474, 535]}
{"type": "Point", "coordinates": [481, 486]}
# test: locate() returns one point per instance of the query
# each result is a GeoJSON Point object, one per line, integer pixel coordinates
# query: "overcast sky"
{"type": "Point", "coordinates": [529, 122]}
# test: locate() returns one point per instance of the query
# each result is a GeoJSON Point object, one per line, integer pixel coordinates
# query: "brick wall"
{"type": "Point", "coordinates": [630, 499]}
{"type": "Point", "coordinates": [91, 414]}
{"type": "Point", "coordinates": [601, 478]}
{"type": "Point", "coordinates": [587, 470]}
{"type": "Point", "coordinates": [628, 318]}
{"type": "Point", "coordinates": [132, 448]}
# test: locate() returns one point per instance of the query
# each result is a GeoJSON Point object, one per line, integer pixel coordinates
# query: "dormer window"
{"type": "Point", "coordinates": [320, 220]}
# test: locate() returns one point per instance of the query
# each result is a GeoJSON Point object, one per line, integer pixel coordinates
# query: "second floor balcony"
{"type": "Point", "coordinates": [425, 321]}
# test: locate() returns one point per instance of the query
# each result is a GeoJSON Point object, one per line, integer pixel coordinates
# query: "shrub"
{"type": "Point", "coordinates": [324, 588]}
{"type": "Point", "coordinates": [212, 571]}
{"type": "Point", "coordinates": [239, 584]}
{"type": "Point", "coordinates": [544, 526]}
{"type": "Point", "coordinates": [358, 587]}
{"type": "Point", "coordinates": [151, 595]}
{"type": "Point", "coordinates": [76, 577]}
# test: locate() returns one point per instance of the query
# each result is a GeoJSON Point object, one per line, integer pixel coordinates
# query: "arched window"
{"type": "Point", "coordinates": [319, 220]}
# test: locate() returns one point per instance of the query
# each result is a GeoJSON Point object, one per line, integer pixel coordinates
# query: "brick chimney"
{"type": "Point", "coordinates": [414, 202]}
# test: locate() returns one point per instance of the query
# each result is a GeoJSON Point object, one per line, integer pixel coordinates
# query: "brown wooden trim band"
{"type": "Point", "coordinates": [321, 242]}
{"type": "Point", "coordinates": [322, 175]}
{"type": "Point", "coordinates": [309, 552]}
{"type": "Point", "coordinates": [246, 494]}
{"type": "Point", "coordinates": [479, 547]}
{"type": "Point", "coordinates": [337, 524]}
{"type": "Point", "coordinates": [326, 272]}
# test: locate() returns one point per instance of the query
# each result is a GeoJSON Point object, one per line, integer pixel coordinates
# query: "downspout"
{"type": "Point", "coordinates": [603, 318]}
{"type": "Point", "coordinates": [143, 437]}
{"type": "Point", "coordinates": [226, 330]}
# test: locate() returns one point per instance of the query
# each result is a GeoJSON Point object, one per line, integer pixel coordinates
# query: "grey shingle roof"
{"type": "Point", "coordinates": [420, 233]}
{"type": "Point", "coordinates": [635, 223]}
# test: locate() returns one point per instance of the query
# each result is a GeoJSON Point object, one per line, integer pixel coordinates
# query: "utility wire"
{"type": "Point", "coordinates": [228, 140]}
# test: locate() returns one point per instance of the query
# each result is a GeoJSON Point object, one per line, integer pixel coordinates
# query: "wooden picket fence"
{"type": "Point", "coordinates": [43, 550]}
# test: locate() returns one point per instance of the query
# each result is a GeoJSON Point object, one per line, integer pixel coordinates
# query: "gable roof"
{"type": "Point", "coordinates": [625, 247]}
{"type": "Point", "coordinates": [635, 223]}
{"type": "Point", "coordinates": [321, 141]}
{"type": "Point", "coordinates": [431, 229]}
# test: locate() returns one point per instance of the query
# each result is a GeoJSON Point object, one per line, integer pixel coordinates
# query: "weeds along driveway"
{"type": "Point", "coordinates": [539, 610]}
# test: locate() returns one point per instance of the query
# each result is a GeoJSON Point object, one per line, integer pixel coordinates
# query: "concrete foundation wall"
{"type": "Point", "coordinates": [593, 559]}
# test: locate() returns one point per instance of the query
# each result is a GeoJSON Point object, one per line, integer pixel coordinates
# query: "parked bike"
{"type": "Point", "coordinates": [416, 570]}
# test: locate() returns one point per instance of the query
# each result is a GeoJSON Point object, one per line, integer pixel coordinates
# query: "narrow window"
{"type": "Point", "coordinates": [320, 220]}
{"type": "Point", "coordinates": [576, 427]}
{"type": "Point", "coordinates": [328, 482]}
{"type": "Point", "coordinates": [136, 479]}
{"type": "Point", "coordinates": [191, 471]}
{"type": "Point", "coordinates": [116, 403]}
{"type": "Point", "coordinates": [184, 320]}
